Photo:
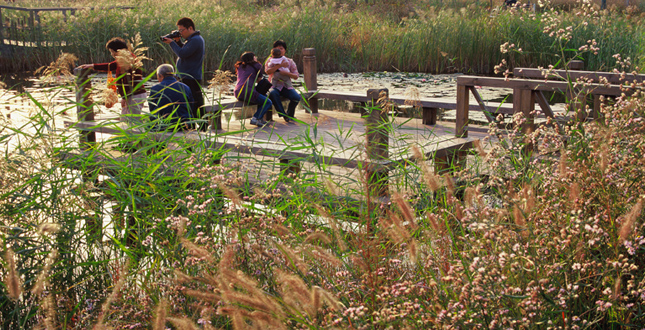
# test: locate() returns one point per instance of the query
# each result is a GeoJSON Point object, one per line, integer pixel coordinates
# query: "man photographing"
{"type": "Point", "coordinates": [190, 58]}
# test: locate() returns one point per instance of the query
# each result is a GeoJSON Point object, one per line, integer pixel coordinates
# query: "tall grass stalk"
{"type": "Point", "coordinates": [424, 39]}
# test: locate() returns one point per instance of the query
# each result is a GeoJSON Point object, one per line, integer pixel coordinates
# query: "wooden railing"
{"type": "Point", "coordinates": [24, 29]}
{"type": "Point", "coordinates": [527, 90]}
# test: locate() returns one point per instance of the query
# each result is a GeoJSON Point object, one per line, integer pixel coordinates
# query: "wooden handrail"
{"type": "Point", "coordinates": [573, 75]}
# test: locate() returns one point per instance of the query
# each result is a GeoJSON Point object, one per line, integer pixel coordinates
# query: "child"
{"type": "Point", "coordinates": [277, 59]}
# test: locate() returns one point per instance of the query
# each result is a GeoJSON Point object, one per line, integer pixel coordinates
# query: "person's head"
{"type": "Point", "coordinates": [246, 59]}
{"type": "Point", "coordinates": [165, 70]}
{"type": "Point", "coordinates": [276, 53]}
{"type": "Point", "coordinates": [281, 45]}
{"type": "Point", "coordinates": [114, 44]}
{"type": "Point", "coordinates": [186, 27]}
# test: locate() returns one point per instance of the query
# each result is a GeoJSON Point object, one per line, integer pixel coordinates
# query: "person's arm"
{"type": "Point", "coordinates": [258, 66]}
{"type": "Point", "coordinates": [292, 71]}
{"type": "Point", "coordinates": [273, 68]}
{"type": "Point", "coordinates": [105, 67]}
{"type": "Point", "coordinates": [185, 50]}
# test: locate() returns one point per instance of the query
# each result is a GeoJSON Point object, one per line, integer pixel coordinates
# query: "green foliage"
{"type": "Point", "coordinates": [347, 38]}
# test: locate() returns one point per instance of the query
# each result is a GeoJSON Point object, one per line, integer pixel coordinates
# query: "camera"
{"type": "Point", "coordinates": [171, 35]}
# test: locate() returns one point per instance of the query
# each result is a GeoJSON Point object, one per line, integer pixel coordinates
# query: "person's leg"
{"type": "Point", "coordinates": [134, 105]}
{"type": "Point", "coordinates": [196, 106]}
{"type": "Point", "coordinates": [276, 99]}
{"type": "Point", "coordinates": [264, 104]}
{"type": "Point", "coordinates": [294, 99]}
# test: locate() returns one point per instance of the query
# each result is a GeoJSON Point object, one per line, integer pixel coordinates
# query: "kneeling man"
{"type": "Point", "coordinates": [169, 100]}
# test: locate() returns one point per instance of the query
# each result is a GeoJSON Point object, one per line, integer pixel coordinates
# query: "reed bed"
{"type": "Point", "coordinates": [191, 237]}
{"type": "Point", "coordinates": [405, 36]}
{"type": "Point", "coordinates": [552, 239]}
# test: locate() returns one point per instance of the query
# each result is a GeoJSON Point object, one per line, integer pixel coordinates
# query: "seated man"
{"type": "Point", "coordinates": [169, 100]}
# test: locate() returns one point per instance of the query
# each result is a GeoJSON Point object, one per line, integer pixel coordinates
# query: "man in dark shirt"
{"type": "Point", "coordinates": [190, 58]}
{"type": "Point", "coordinates": [169, 100]}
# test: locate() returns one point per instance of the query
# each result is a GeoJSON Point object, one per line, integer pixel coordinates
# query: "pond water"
{"type": "Point", "coordinates": [53, 94]}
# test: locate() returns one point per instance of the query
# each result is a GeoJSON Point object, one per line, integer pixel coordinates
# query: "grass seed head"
{"type": "Point", "coordinates": [629, 219]}
{"type": "Point", "coordinates": [160, 315]}
{"type": "Point", "coordinates": [12, 280]}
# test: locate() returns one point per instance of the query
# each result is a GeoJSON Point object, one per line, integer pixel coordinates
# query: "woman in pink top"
{"type": "Point", "coordinates": [289, 70]}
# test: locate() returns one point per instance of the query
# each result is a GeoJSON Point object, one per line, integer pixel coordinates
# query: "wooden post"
{"type": "Point", "coordinates": [578, 103]}
{"type": "Point", "coordinates": [310, 73]}
{"type": "Point", "coordinates": [524, 102]}
{"type": "Point", "coordinates": [450, 160]}
{"type": "Point", "coordinates": [289, 166]}
{"type": "Point", "coordinates": [84, 109]}
{"type": "Point", "coordinates": [598, 102]}
{"type": "Point", "coordinates": [376, 131]}
{"type": "Point", "coordinates": [1, 29]}
{"type": "Point", "coordinates": [429, 116]}
{"type": "Point", "coordinates": [32, 28]}
{"type": "Point", "coordinates": [461, 125]}
{"type": "Point", "coordinates": [576, 65]}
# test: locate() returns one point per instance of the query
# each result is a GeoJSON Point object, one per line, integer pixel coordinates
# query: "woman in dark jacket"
{"type": "Point", "coordinates": [249, 71]}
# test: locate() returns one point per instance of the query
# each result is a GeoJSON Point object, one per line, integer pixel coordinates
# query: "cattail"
{"type": "Point", "coordinates": [417, 153]}
{"type": "Point", "coordinates": [316, 300]}
{"type": "Point", "coordinates": [203, 296]}
{"type": "Point", "coordinates": [407, 211]}
{"type": "Point", "coordinates": [181, 277]}
{"type": "Point", "coordinates": [294, 286]}
{"type": "Point", "coordinates": [183, 323]}
{"type": "Point", "coordinates": [281, 230]}
{"type": "Point", "coordinates": [232, 195]}
{"type": "Point", "coordinates": [48, 228]}
{"type": "Point", "coordinates": [434, 223]}
{"type": "Point", "coordinates": [479, 148]}
{"type": "Point", "coordinates": [197, 251]}
{"type": "Point", "coordinates": [182, 226]}
{"type": "Point", "coordinates": [238, 321]}
{"type": "Point", "coordinates": [318, 236]}
{"type": "Point", "coordinates": [42, 277]}
{"type": "Point", "coordinates": [431, 180]}
{"type": "Point", "coordinates": [412, 249]}
{"type": "Point", "coordinates": [12, 281]}
{"type": "Point", "coordinates": [292, 257]}
{"type": "Point", "coordinates": [562, 167]}
{"type": "Point", "coordinates": [50, 312]}
{"type": "Point", "coordinates": [518, 216]}
{"type": "Point", "coordinates": [325, 256]}
{"type": "Point", "coordinates": [160, 316]}
{"type": "Point", "coordinates": [115, 291]}
{"type": "Point", "coordinates": [616, 294]}
{"type": "Point", "coordinates": [331, 300]}
{"type": "Point", "coordinates": [628, 222]}
{"type": "Point", "coordinates": [449, 183]}
{"type": "Point", "coordinates": [574, 193]}
{"type": "Point", "coordinates": [604, 157]}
